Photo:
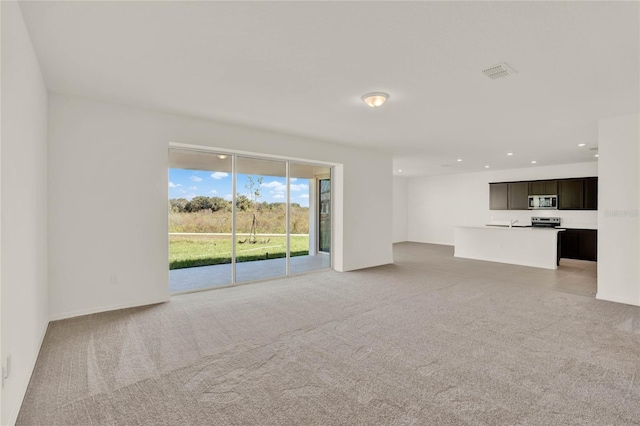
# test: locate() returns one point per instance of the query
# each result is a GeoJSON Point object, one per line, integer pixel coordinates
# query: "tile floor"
{"type": "Point", "coordinates": [572, 276]}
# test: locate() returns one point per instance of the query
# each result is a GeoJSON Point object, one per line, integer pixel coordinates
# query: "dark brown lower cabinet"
{"type": "Point", "coordinates": [579, 244]}
{"type": "Point", "coordinates": [588, 244]}
{"type": "Point", "coordinates": [569, 244]}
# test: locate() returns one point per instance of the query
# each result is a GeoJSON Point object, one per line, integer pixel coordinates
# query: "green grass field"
{"type": "Point", "coordinates": [186, 251]}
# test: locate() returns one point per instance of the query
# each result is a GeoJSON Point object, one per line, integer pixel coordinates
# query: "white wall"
{"type": "Point", "coordinates": [25, 313]}
{"type": "Point", "coordinates": [619, 202]}
{"type": "Point", "coordinates": [400, 188]}
{"type": "Point", "coordinates": [108, 199]}
{"type": "Point", "coordinates": [436, 204]}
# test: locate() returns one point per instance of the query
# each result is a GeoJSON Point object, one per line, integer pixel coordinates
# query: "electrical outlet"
{"type": "Point", "coordinates": [6, 370]}
{"type": "Point", "coordinates": [114, 279]}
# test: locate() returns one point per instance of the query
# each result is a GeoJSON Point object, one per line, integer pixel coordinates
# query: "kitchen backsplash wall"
{"type": "Point", "coordinates": [436, 204]}
{"type": "Point", "coordinates": [573, 218]}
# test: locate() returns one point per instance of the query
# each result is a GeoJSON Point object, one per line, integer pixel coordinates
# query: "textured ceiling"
{"type": "Point", "coordinates": [301, 67]}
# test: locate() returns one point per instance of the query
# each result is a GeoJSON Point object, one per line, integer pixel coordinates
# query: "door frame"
{"type": "Point", "coordinates": [258, 156]}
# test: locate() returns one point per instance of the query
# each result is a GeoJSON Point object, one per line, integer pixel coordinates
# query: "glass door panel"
{"type": "Point", "coordinates": [305, 215]}
{"type": "Point", "coordinates": [200, 217]}
{"type": "Point", "coordinates": [261, 208]}
{"type": "Point", "coordinates": [324, 203]}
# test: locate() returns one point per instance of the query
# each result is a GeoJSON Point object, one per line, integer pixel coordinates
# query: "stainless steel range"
{"type": "Point", "coordinates": [545, 222]}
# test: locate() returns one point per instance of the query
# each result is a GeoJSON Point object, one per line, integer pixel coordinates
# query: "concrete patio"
{"type": "Point", "coordinates": [220, 275]}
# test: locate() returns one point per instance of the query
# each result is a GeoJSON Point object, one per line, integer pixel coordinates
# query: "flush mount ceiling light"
{"type": "Point", "coordinates": [487, 166]}
{"type": "Point", "coordinates": [459, 160]}
{"type": "Point", "coordinates": [581, 144]}
{"type": "Point", "coordinates": [222, 156]}
{"type": "Point", "coordinates": [509, 154]}
{"type": "Point", "coordinates": [375, 99]}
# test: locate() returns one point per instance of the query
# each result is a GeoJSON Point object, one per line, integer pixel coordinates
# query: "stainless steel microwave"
{"type": "Point", "coordinates": [537, 202]}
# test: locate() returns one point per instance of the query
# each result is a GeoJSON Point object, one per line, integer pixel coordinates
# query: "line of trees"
{"type": "Point", "coordinates": [213, 204]}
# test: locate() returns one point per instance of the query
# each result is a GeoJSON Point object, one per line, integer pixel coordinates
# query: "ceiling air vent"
{"type": "Point", "coordinates": [498, 71]}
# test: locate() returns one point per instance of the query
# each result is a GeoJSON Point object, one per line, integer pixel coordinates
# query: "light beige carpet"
{"type": "Point", "coordinates": [429, 340]}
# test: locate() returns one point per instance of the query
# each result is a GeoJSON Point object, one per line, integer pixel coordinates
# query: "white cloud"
{"type": "Point", "coordinates": [213, 191]}
{"type": "Point", "coordinates": [196, 179]}
{"type": "Point", "coordinates": [189, 196]}
{"type": "Point", "coordinates": [293, 179]}
{"type": "Point", "coordinates": [219, 175]}
{"type": "Point", "coordinates": [174, 185]}
{"type": "Point", "coordinates": [304, 196]}
{"type": "Point", "coordinates": [281, 187]}
{"type": "Point", "coordinates": [300, 187]}
{"type": "Point", "coordinates": [193, 188]}
{"type": "Point", "coordinates": [228, 197]}
{"type": "Point", "coordinates": [274, 184]}
{"type": "Point", "coordinates": [278, 196]}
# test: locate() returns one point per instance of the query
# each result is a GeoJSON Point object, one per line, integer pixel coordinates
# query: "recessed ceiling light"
{"type": "Point", "coordinates": [400, 171]}
{"type": "Point", "coordinates": [375, 99]}
{"type": "Point", "coordinates": [596, 155]}
{"type": "Point", "coordinates": [459, 160]}
{"type": "Point", "coordinates": [509, 153]}
{"type": "Point", "coordinates": [222, 156]}
{"type": "Point", "coordinates": [581, 144]}
{"type": "Point", "coordinates": [487, 166]}
{"type": "Point", "coordinates": [533, 161]}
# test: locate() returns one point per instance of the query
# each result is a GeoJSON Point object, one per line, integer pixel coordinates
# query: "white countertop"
{"type": "Point", "coordinates": [527, 223]}
{"type": "Point", "coordinates": [580, 226]}
{"type": "Point", "coordinates": [516, 228]}
{"type": "Point", "coordinates": [528, 226]}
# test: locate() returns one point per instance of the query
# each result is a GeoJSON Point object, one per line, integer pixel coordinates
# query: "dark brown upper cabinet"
{"type": "Point", "coordinates": [518, 196]}
{"type": "Point", "coordinates": [571, 194]}
{"type": "Point", "coordinates": [591, 193]}
{"type": "Point", "coordinates": [498, 196]}
{"type": "Point", "coordinates": [543, 187]}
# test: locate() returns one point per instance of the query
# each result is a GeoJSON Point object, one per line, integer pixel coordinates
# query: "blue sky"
{"type": "Point", "coordinates": [191, 183]}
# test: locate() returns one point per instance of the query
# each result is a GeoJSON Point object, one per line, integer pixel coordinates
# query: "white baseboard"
{"type": "Point", "coordinates": [617, 299]}
{"type": "Point", "coordinates": [430, 242]}
{"type": "Point", "coordinates": [22, 389]}
{"type": "Point", "coordinates": [98, 309]}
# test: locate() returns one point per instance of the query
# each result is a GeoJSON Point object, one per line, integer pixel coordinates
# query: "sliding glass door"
{"type": "Point", "coordinates": [324, 218]}
{"type": "Point", "coordinates": [261, 213]}
{"type": "Point", "coordinates": [236, 219]}
{"type": "Point", "coordinates": [307, 220]}
{"type": "Point", "coordinates": [200, 216]}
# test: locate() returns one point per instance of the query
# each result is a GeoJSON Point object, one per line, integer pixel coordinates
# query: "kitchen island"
{"type": "Point", "coordinates": [537, 247]}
